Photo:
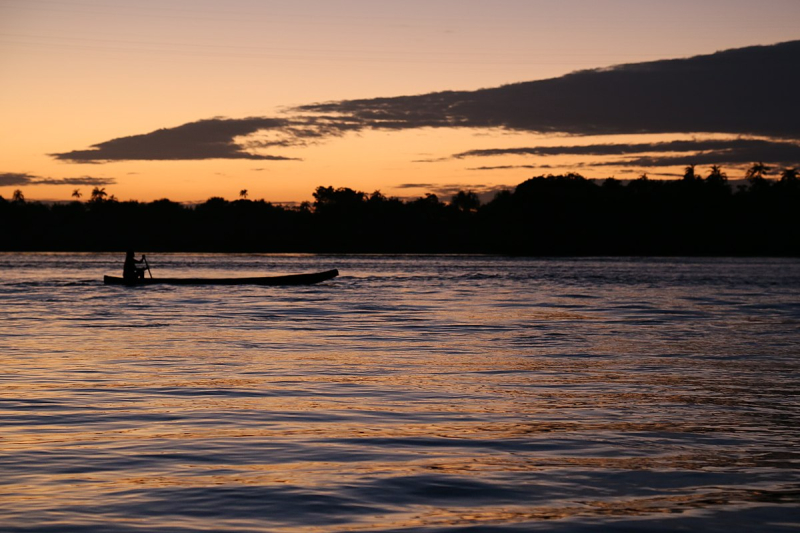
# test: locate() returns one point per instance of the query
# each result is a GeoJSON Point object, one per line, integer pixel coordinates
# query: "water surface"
{"type": "Point", "coordinates": [412, 393]}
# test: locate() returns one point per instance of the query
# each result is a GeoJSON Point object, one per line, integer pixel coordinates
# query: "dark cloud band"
{"type": "Point", "coordinates": [745, 91]}
{"type": "Point", "coordinates": [749, 91]}
{"type": "Point", "coordinates": [205, 139]}
{"type": "Point", "coordinates": [682, 152]}
{"type": "Point", "coordinates": [15, 179]}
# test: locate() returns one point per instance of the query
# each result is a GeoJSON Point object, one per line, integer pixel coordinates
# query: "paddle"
{"type": "Point", "coordinates": [147, 265]}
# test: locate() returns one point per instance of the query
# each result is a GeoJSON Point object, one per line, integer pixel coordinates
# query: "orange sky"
{"type": "Point", "coordinates": [78, 73]}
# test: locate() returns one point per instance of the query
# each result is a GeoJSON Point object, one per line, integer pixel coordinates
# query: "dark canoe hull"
{"type": "Point", "coordinates": [292, 279]}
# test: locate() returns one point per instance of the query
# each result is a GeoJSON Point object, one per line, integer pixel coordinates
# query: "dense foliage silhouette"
{"type": "Point", "coordinates": [545, 215]}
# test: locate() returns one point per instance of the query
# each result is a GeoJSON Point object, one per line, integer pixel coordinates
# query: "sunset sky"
{"type": "Point", "coordinates": [280, 97]}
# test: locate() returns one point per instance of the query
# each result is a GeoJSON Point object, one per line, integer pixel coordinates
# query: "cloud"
{"type": "Point", "coordinates": [84, 180]}
{"type": "Point", "coordinates": [749, 91]}
{"type": "Point", "coordinates": [205, 139]}
{"type": "Point", "coordinates": [681, 152]}
{"type": "Point", "coordinates": [775, 153]}
{"type": "Point", "coordinates": [414, 186]}
{"type": "Point", "coordinates": [512, 167]}
{"type": "Point", "coordinates": [10, 179]}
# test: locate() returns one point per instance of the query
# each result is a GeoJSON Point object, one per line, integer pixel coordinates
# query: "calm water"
{"type": "Point", "coordinates": [411, 394]}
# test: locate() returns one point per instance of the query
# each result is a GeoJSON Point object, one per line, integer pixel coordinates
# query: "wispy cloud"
{"type": "Point", "coordinates": [681, 152]}
{"type": "Point", "coordinates": [17, 179]}
{"type": "Point", "coordinates": [775, 153]}
{"type": "Point", "coordinates": [414, 186]}
{"type": "Point", "coordinates": [512, 167]}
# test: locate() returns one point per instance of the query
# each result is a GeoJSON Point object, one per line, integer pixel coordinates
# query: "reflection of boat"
{"type": "Point", "coordinates": [291, 279]}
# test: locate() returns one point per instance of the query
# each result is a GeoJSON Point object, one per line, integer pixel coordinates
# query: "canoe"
{"type": "Point", "coordinates": [291, 279]}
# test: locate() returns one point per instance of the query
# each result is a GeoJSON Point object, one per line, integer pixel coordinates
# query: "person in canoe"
{"type": "Point", "coordinates": [131, 272]}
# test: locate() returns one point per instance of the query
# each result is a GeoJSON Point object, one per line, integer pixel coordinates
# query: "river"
{"type": "Point", "coordinates": [410, 394]}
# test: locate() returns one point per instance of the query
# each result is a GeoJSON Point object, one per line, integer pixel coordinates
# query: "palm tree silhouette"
{"type": "Point", "coordinates": [716, 176]}
{"type": "Point", "coordinates": [77, 194]}
{"type": "Point", "coordinates": [789, 175]}
{"type": "Point", "coordinates": [243, 194]}
{"type": "Point", "coordinates": [98, 194]}
{"type": "Point", "coordinates": [689, 174]}
{"type": "Point", "coordinates": [757, 171]}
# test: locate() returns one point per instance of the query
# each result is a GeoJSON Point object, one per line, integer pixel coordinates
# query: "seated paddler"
{"type": "Point", "coordinates": [131, 271]}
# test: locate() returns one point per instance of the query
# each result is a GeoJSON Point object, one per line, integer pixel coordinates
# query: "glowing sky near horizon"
{"type": "Point", "coordinates": [78, 73]}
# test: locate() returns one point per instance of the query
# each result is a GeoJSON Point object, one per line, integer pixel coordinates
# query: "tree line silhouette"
{"type": "Point", "coordinates": [545, 215]}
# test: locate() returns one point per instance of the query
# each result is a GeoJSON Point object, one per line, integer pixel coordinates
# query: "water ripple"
{"type": "Point", "coordinates": [411, 394]}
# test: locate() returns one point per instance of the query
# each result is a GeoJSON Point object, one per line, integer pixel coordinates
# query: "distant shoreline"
{"type": "Point", "coordinates": [555, 216]}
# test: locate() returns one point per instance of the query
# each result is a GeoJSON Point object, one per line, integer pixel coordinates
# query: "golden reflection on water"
{"type": "Point", "coordinates": [434, 407]}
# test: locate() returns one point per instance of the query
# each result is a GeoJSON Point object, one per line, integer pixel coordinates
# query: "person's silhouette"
{"type": "Point", "coordinates": [131, 272]}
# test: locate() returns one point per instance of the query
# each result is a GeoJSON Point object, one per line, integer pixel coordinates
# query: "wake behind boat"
{"type": "Point", "coordinates": [291, 279]}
